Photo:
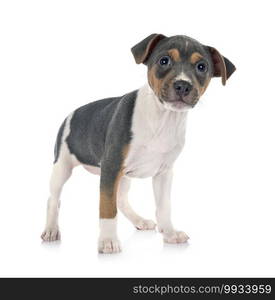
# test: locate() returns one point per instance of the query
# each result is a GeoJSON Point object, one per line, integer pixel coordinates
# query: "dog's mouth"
{"type": "Point", "coordinates": [180, 102]}
{"type": "Point", "coordinates": [171, 99]}
{"type": "Point", "coordinates": [178, 105]}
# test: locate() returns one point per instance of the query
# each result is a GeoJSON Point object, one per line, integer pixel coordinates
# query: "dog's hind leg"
{"type": "Point", "coordinates": [61, 172]}
{"type": "Point", "coordinates": [124, 206]}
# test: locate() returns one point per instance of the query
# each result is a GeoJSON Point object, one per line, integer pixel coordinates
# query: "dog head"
{"type": "Point", "coordinates": [180, 68]}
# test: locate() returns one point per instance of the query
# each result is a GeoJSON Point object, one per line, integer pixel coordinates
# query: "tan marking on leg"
{"type": "Point", "coordinates": [108, 199]}
{"type": "Point", "coordinates": [175, 54]}
{"type": "Point", "coordinates": [195, 57]}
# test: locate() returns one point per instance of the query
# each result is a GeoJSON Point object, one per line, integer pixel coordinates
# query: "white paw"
{"type": "Point", "coordinates": [110, 245]}
{"type": "Point", "coordinates": [175, 237]}
{"type": "Point", "coordinates": [51, 234]}
{"type": "Point", "coordinates": [143, 224]}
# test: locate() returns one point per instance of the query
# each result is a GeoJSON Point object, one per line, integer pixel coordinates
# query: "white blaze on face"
{"type": "Point", "coordinates": [183, 76]}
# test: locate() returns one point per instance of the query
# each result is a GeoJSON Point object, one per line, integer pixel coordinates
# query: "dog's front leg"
{"type": "Point", "coordinates": [109, 180]}
{"type": "Point", "coordinates": [162, 190]}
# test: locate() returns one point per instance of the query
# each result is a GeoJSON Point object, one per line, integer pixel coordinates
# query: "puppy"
{"type": "Point", "coordinates": [137, 135]}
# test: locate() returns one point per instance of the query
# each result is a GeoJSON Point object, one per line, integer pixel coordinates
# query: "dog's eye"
{"type": "Point", "coordinates": [164, 61]}
{"type": "Point", "coordinates": [201, 67]}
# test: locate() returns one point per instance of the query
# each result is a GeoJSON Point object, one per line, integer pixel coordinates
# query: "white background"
{"type": "Point", "coordinates": [58, 55]}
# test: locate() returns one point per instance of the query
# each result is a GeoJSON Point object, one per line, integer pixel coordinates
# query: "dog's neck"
{"type": "Point", "coordinates": [152, 112]}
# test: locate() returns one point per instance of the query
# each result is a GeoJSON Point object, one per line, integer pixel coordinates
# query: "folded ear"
{"type": "Point", "coordinates": [143, 49]}
{"type": "Point", "coordinates": [222, 67]}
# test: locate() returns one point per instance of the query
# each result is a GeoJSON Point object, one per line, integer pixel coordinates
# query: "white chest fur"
{"type": "Point", "coordinates": [158, 136]}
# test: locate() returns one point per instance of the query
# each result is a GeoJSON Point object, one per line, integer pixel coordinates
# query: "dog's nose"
{"type": "Point", "coordinates": [182, 87]}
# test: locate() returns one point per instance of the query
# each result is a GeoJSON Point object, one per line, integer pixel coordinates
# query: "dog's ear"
{"type": "Point", "coordinates": [143, 49]}
{"type": "Point", "coordinates": [222, 67]}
